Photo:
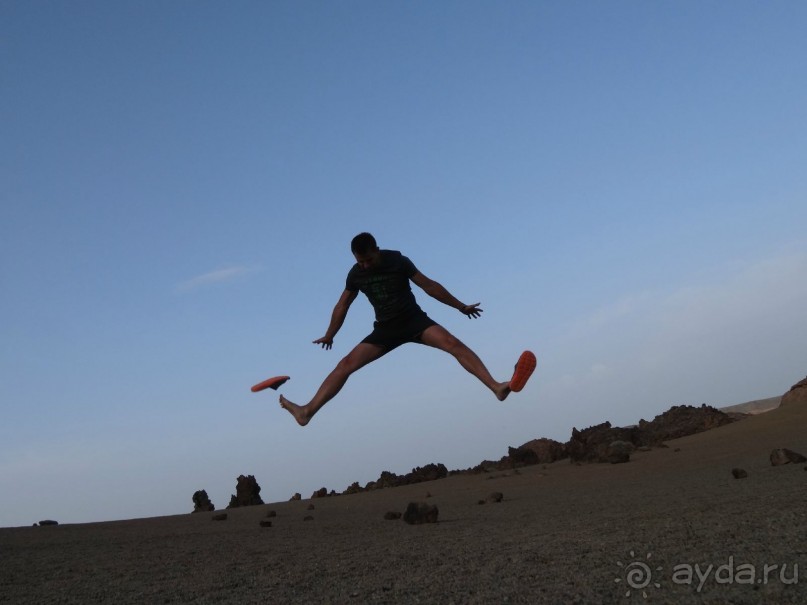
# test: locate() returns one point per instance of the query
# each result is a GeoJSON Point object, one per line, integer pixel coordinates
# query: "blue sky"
{"type": "Point", "coordinates": [620, 184]}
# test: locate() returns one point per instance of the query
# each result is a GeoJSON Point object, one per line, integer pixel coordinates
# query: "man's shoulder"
{"type": "Point", "coordinates": [391, 255]}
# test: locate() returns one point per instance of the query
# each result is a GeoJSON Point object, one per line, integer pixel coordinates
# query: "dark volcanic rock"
{"type": "Point", "coordinates": [48, 522]}
{"type": "Point", "coordinates": [353, 488]}
{"type": "Point", "coordinates": [219, 517]}
{"type": "Point", "coordinates": [591, 444]}
{"type": "Point", "coordinates": [739, 473]}
{"type": "Point", "coordinates": [546, 450]}
{"type": "Point", "coordinates": [430, 472]}
{"type": "Point", "coordinates": [320, 493]}
{"type": "Point", "coordinates": [418, 513]}
{"type": "Point", "coordinates": [680, 421]}
{"type": "Point", "coordinates": [392, 515]}
{"type": "Point", "coordinates": [247, 492]}
{"type": "Point", "coordinates": [201, 503]}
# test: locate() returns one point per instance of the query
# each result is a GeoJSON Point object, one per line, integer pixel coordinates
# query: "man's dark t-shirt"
{"type": "Point", "coordinates": [386, 286]}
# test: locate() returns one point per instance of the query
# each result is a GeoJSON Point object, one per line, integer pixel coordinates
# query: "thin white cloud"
{"type": "Point", "coordinates": [217, 276]}
{"type": "Point", "coordinates": [737, 338]}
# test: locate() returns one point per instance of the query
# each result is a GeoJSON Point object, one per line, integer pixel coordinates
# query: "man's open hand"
{"type": "Point", "coordinates": [325, 342]}
{"type": "Point", "coordinates": [471, 311]}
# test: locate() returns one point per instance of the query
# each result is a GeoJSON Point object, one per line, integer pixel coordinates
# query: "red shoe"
{"type": "Point", "coordinates": [524, 369]}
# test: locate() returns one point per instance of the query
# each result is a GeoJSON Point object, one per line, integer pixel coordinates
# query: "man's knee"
{"type": "Point", "coordinates": [348, 364]}
{"type": "Point", "coordinates": [358, 358]}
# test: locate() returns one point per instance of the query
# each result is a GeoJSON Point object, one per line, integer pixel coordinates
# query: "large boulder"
{"type": "Point", "coordinates": [797, 395]}
{"type": "Point", "coordinates": [201, 502]}
{"type": "Point", "coordinates": [418, 513]}
{"type": "Point", "coordinates": [247, 492]}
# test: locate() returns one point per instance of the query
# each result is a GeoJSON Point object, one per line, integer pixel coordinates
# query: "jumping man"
{"type": "Point", "coordinates": [383, 276]}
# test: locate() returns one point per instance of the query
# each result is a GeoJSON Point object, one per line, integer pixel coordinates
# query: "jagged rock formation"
{"type": "Point", "coordinates": [247, 492]}
{"type": "Point", "coordinates": [680, 421]}
{"type": "Point", "coordinates": [201, 502]}
{"type": "Point", "coordinates": [430, 472]}
{"type": "Point", "coordinates": [592, 444]}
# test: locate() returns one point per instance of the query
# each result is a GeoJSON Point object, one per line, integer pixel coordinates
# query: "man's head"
{"type": "Point", "coordinates": [365, 250]}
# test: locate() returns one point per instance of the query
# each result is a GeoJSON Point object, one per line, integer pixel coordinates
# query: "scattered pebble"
{"type": "Point", "coordinates": [739, 473]}
{"type": "Point", "coordinates": [785, 456]}
{"type": "Point", "coordinates": [495, 497]}
{"type": "Point", "coordinates": [392, 516]}
{"type": "Point", "coordinates": [219, 517]}
{"type": "Point", "coordinates": [265, 523]}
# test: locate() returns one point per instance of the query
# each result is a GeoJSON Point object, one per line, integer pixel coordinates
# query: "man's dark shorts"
{"type": "Point", "coordinates": [395, 332]}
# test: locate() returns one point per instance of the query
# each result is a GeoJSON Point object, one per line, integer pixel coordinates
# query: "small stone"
{"type": "Point", "coordinates": [271, 514]}
{"type": "Point", "coordinates": [219, 517]}
{"type": "Point", "coordinates": [795, 457]}
{"type": "Point", "coordinates": [495, 497]}
{"type": "Point", "coordinates": [392, 516]}
{"type": "Point", "coordinates": [786, 456]}
{"type": "Point", "coordinates": [739, 473]}
{"type": "Point", "coordinates": [265, 523]}
{"type": "Point", "coordinates": [47, 522]}
{"type": "Point", "coordinates": [296, 496]}
{"type": "Point", "coordinates": [308, 518]}
{"type": "Point", "coordinates": [481, 502]}
{"type": "Point", "coordinates": [311, 506]}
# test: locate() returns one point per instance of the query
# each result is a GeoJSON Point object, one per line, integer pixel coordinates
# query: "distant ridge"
{"type": "Point", "coordinates": [758, 406]}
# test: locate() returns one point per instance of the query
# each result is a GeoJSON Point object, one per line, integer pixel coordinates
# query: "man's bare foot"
{"type": "Point", "coordinates": [298, 411]}
{"type": "Point", "coordinates": [502, 391]}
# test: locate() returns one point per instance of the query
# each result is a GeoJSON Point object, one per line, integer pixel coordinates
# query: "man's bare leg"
{"type": "Point", "coordinates": [440, 338]}
{"type": "Point", "coordinates": [360, 356]}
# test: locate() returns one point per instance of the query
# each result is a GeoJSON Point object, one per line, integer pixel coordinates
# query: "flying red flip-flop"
{"type": "Point", "coordinates": [270, 383]}
{"type": "Point", "coordinates": [525, 366]}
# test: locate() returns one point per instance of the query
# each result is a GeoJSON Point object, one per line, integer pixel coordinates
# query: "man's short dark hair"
{"type": "Point", "coordinates": [363, 243]}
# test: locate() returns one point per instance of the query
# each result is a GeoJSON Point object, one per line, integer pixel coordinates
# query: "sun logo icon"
{"type": "Point", "coordinates": [637, 575]}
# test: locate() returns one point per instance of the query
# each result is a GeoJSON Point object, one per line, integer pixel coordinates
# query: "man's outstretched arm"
{"type": "Point", "coordinates": [337, 318]}
{"type": "Point", "coordinates": [438, 292]}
